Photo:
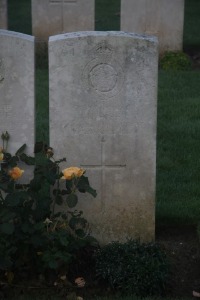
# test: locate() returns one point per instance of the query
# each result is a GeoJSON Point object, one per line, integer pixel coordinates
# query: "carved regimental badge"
{"type": "Point", "coordinates": [103, 73]}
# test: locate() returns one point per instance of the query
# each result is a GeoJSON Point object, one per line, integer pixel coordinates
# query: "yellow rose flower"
{"type": "Point", "coordinates": [16, 173]}
{"type": "Point", "coordinates": [1, 156]}
{"type": "Point", "coordinates": [71, 172]}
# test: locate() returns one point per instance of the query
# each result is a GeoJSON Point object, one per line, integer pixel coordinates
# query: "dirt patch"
{"type": "Point", "coordinates": [183, 250]}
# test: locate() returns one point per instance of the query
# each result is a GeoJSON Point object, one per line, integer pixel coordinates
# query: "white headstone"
{"type": "Point", "coordinates": [51, 17]}
{"type": "Point", "coordinates": [3, 14]}
{"type": "Point", "coordinates": [17, 96]}
{"type": "Point", "coordinates": [163, 18]}
{"type": "Point", "coordinates": [103, 92]}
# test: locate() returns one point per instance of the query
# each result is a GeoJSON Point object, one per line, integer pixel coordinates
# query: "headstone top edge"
{"type": "Point", "coordinates": [81, 34]}
{"type": "Point", "coordinates": [4, 32]}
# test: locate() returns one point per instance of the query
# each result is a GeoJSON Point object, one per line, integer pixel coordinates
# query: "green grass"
{"type": "Point", "coordinates": [178, 143]}
{"type": "Point", "coordinates": [42, 105]}
{"type": "Point", "coordinates": [107, 15]}
{"type": "Point", "coordinates": [19, 16]}
{"type": "Point", "coordinates": [191, 36]}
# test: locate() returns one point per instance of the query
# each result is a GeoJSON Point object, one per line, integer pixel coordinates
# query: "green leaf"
{"type": "Point", "coordinates": [64, 216]}
{"type": "Point", "coordinates": [68, 184]}
{"type": "Point", "coordinates": [11, 200]}
{"type": "Point", "coordinates": [64, 241]}
{"type": "Point", "coordinates": [27, 159]}
{"type": "Point", "coordinates": [53, 264]}
{"type": "Point", "coordinates": [56, 192]}
{"type": "Point", "coordinates": [74, 222]}
{"type": "Point", "coordinates": [11, 186]}
{"type": "Point", "coordinates": [14, 199]}
{"type": "Point", "coordinates": [7, 186]}
{"type": "Point", "coordinates": [59, 200]}
{"type": "Point", "coordinates": [64, 192]}
{"type": "Point", "coordinates": [80, 233]}
{"type": "Point", "coordinates": [20, 150]}
{"type": "Point", "coordinates": [35, 183]}
{"type": "Point", "coordinates": [5, 263]}
{"type": "Point", "coordinates": [7, 215]}
{"type": "Point", "coordinates": [91, 191]}
{"type": "Point", "coordinates": [37, 240]}
{"type": "Point", "coordinates": [51, 178]}
{"type": "Point", "coordinates": [83, 185]}
{"type": "Point", "coordinates": [7, 228]}
{"type": "Point", "coordinates": [13, 161]}
{"type": "Point", "coordinates": [7, 156]}
{"type": "Point", "coordinates": [72, 200]}
{"type": "Point", "coordinates": [39, 226]}
{"type": "Point", "coordinates": [3, 187]}
{"type": "Point", "coordinates": [27, 228]}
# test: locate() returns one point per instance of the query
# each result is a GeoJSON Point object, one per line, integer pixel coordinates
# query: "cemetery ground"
{"type": "Point", "coordinates": [178, 144]}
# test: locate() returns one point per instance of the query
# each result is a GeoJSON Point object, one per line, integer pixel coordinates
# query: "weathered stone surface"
{"type": "Point", "coordinates": [51, 17]}
{"type": "Point", "coordinates": [103, 91]}
{"type": "Point", "coordinates": [163, 18]}
{"type": "Point", "coordinates": [17, 97]}
{"type": "Point", "coordinates": [3, 14]}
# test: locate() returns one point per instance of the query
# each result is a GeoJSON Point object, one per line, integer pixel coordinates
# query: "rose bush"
{"type": "Point", "coordinates": [38, 237]}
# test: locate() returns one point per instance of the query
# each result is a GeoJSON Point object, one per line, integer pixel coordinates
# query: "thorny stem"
{"type": "Point", "coordinates": [6, 145]}
{"type": "Point", "coordinates": [57, 188]}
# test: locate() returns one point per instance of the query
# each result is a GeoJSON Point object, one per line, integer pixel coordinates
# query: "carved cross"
{"type": "Point", "coordinates": [103, 165]}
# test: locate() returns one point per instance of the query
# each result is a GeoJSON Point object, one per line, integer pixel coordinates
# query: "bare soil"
{"type": "Point", "coordinates": [182, 248]}
{"type": "Point", "coordinates": [183, 251]}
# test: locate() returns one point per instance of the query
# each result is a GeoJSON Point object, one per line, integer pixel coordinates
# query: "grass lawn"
{"type": "Point", "coordinates": [178, 144]}
{"type": "Point", "coordinates": [191, 37]}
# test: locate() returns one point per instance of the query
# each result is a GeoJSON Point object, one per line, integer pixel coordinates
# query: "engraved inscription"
{"type": "Point", "coordinates": [2, 72]}
{"type": "Point", "coordinates": [6, 117]}
{"type": "Point", "coordinates": [6, 111]}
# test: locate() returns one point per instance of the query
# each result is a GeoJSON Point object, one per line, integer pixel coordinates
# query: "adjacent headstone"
{"type": "Point", "coordinates": [17, 95]}
{"type": "Point", "coordinates": [103, 91]}
{"type": "Point", "coordinates": [51, 17]}
{"type": "Point", "coordinates": [163, 18]}
{"type": "Point", "coordinates": [3, 14]}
